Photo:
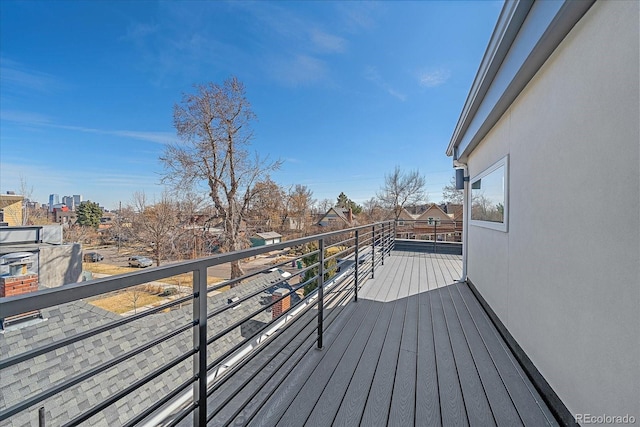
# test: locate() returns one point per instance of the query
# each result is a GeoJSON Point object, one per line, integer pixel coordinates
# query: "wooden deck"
{"type": "Point", "coordinates": [416, 349]}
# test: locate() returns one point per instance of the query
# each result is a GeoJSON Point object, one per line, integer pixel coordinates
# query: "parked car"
{"type": "Point", "coordinates": [92, 257]}
{"type": "Point", "coordinates": [140, 262]}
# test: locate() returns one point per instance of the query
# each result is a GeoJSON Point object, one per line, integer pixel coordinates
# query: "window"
{"type": "Point", "coordinates": [489, 197]}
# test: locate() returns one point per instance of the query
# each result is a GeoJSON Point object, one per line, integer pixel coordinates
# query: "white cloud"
{"type": "Point", "coordinates": [327, 42]}
{"type": "Point", "coordinates": [371, 73]}
{"type": "Point", "coordinates": [16, 76]}
{"type": "Point", "coordinates": [300, 70]}
{"type": "Point", "coordinates": [358, 15]}
{"type": "Point", "coordinates": [433, 78]}
{"type": "Point", "coordinates": [24, 118]}
{"type": "Point", "coordinates": [39, 120]}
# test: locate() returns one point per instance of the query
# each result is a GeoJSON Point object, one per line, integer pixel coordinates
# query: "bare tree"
{"type": "Point", "coordinates": [450, 194]}
{"type": "Point", "coordinates": [324, 205]}
{"type": "Point", "coordinates": [214, 125]}
{"type": "Point", "coordinates": [373, 211]}
{"type": "Point", "coordinates": [401, 189]}
{"type": "Point", "coordinates": [268, 204]}
{"type": "Point", "coordinates": [155, 224]}
{"type": "Point", "coordinates": [25, 191]}
{"type": "Point", "coordinates": [77, 233]}
{"type": "Point", "coordinates": [134, 293]}
{"type": "Point", "coordinates": [190, 231]}
{"type": "Point", "coordinates": [299, 201]}
{"type": "Point", "coordinates": [120, 230]}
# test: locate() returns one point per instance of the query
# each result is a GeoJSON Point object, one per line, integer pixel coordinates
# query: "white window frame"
{"type": "Point", "coordinates": [499, 226]}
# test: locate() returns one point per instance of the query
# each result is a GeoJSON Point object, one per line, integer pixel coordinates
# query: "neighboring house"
{"type": "Point", "coordinates": [11, 209]}
{"type": "Point", "coordinates": [24, 380]}
{"type": "Point", "coordinates": [338, 217]}
{"type": "Point", "coordinates": [436, 224]}
{"type": "Point", "coordinates": [405, 225]}
{"type": "Point", "coordinates": [64, 215]}
{"type": "Point", "coordinates": [432, 224]}
{"type": "Point", "coordinates": [405, 216]}
{"type": "Point", "coordinates": [549, 138]}
{"type": "Point", "coordinates": [268, 238]}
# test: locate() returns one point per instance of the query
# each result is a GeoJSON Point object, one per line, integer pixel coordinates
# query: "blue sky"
{"type": "Point", "coordinates": [343, 91]}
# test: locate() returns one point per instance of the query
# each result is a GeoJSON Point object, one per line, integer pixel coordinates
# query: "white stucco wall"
{"type": "Point", "coordinates": [565, 278]}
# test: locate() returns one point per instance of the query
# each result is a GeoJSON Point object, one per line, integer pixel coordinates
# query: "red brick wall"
{"type": "Point", "coordinates": [282, 305]}
{"type": "Point", "coordinates": [18, 285]}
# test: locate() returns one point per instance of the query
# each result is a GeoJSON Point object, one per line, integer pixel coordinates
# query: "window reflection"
{"type": "Point", "coordinates": [488, 196]}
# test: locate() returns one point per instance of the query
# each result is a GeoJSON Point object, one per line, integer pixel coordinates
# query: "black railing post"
{"type": "Point", "coordinates": [320, 291]}
{"type": "Point", "coordinates": [373, 251]}
{"type": "Point", "coordinates": [200, 342]}
{"type": "Point", "coordinates": [357, 263]}
{"type": "Point", "coordinates": [435, 236]}
{"type": "Point", "coordinates": [41, 417]}
{"type": "Point", "coordinates": [394, 230]}
{"type": "Point", "coordinates": [384, 243]}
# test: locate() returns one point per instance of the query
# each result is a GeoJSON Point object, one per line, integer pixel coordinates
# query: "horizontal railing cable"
{"type": "Point", "coordinates": [379, 240]}
{"type": "Point", "coordinates": [72, 292]}
{"type": "Point", "coordinates": [90, 333]}
{"type": "Point", "coordinates": [88, 374]}
{"type": "Point", "coordinates": [160, 403]}
{"type": "Point", "coordinates": [182, 414]}
{"type": "Point", "coordinates": [346, 297]}
{"type": "Point", "coordinates": [239, 345]}
{"type": "Point", "coordinates": [310, 321]}
{"type": "Point", "coordinates": [249, 296]}
{"type": "Point", "coordinates": [126, 391]}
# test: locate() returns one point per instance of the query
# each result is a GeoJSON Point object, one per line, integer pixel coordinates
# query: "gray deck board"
{"type": "Point", "coordinates": [416, 349]}
{"type": "Point", "coordinates": [475, 399]}
{"type": "Point", "coordinates": [340, 390]}
{"type": "Point", "coordinates": [402, 411]}
{"type": "Point", "coordinates": [376, 410]}
{"type": "Point", "coordinates": [427, 397]}
{"type": "Point", "coordinates": [502, 408]}
{"type": "Point", "coordinates": [307, 397]}
{"type": "Point", "coordinates": [527, 402]}
{"type": "Point", "coordinates": [452, 405]}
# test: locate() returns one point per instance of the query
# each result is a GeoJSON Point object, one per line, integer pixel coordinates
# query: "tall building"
{"type": "Point", "coordinates": [70, 202]}
{"type": "Point", "coordinates": [54, 199]}
{"type": "Point", "coordinates": [77, 199]}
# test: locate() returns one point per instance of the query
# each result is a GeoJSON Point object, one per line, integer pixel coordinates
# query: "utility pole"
{"type": "Point", "coordinates": [119, 224]}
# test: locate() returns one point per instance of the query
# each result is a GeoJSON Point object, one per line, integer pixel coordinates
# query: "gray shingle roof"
{"type": "Point", "coordinates": [26, 379]}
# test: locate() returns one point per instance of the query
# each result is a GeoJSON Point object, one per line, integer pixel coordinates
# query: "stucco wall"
{"type": "Point", "coordinates": [565, 278]}
{"type": "Point", "coordinates": [60, 264]}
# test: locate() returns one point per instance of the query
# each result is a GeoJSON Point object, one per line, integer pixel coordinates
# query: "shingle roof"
{"type": "Point", "coordinates": [21, 381]}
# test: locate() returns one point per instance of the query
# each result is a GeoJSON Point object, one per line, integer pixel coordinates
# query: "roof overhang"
{"type": "Point", "coordinates": [526, 34]}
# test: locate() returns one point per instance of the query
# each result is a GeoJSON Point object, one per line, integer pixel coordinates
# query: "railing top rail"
{"type": "Point", "coordinates": [10, 306]}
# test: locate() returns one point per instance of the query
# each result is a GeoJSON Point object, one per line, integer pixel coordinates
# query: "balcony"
{"type": "Point", "coordinates": [388, 338]}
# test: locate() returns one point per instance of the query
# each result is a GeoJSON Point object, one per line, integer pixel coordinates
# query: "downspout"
{"type": "Point", "coordinates": [465, 216]}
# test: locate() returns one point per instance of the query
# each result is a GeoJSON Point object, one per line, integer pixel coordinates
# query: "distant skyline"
{"type": "Point", "coordinates": [343, 91]}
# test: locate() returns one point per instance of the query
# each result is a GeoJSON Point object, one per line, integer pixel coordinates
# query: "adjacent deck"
{"type": "Point", "coordinates": [416, 349]}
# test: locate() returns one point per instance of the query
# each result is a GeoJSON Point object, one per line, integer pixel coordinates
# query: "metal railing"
{"type": "Point", "coordinates": [436, 229]}
{"type": "Point", "coordinates": [336, 264]}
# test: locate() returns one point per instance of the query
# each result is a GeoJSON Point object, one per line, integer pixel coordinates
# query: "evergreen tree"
{"type": "Point", "coordinates": [88, 214]}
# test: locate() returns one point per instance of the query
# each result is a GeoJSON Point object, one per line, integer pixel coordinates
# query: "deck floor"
{"type": "Point", "coordinates": [416, 349]}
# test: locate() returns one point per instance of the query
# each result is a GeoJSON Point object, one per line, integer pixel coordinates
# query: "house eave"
{"type": "Point", "coordinates": [526, 34]}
